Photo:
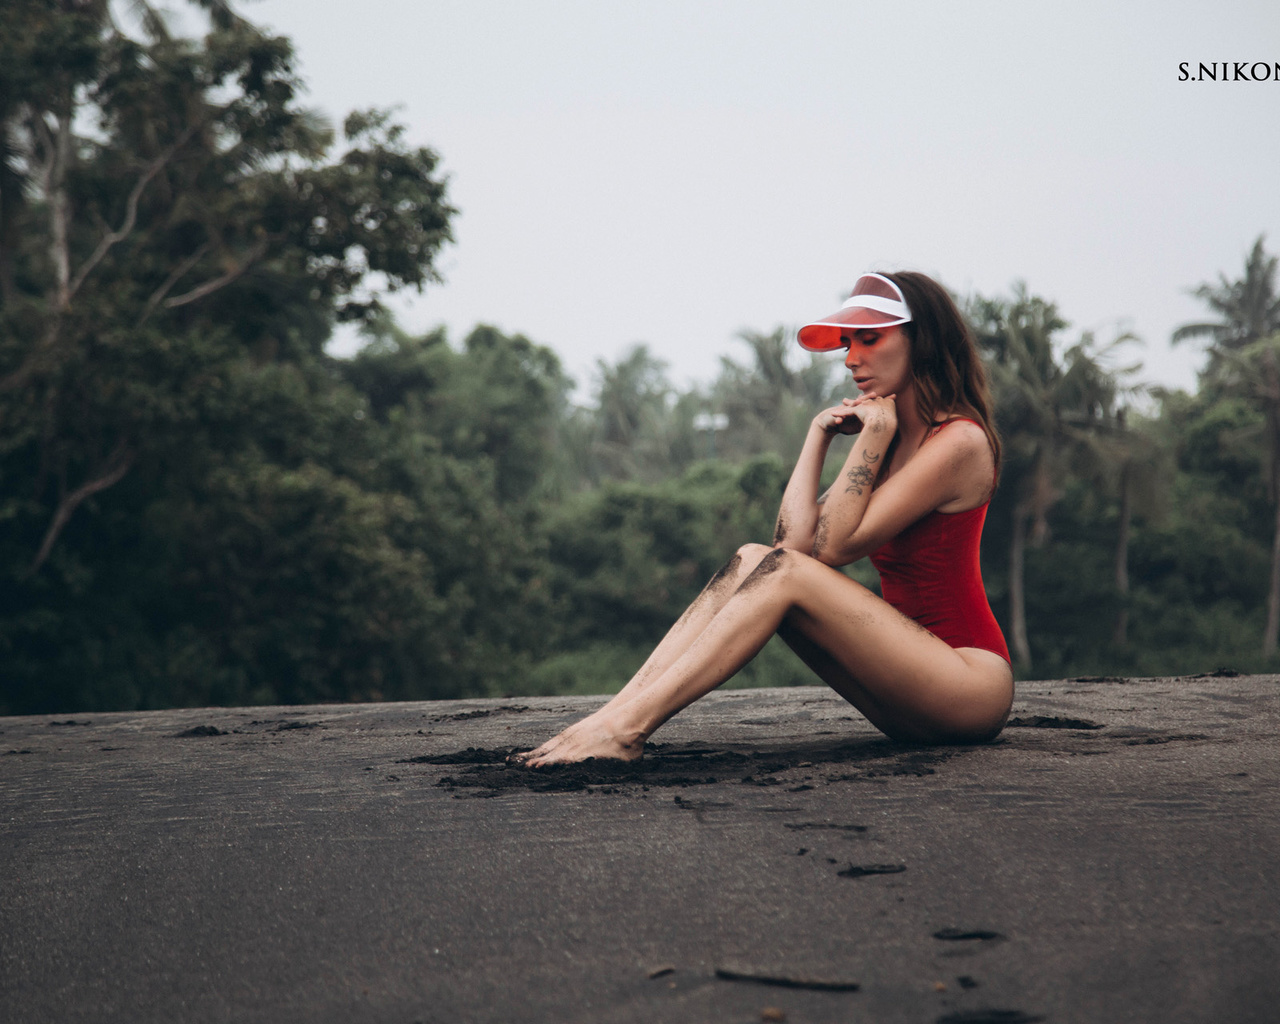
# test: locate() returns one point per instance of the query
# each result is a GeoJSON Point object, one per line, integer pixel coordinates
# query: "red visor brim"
{"type": "Point", "coordinates": [824, 335]}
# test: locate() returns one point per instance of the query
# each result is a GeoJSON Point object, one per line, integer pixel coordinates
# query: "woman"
{"type": "Point", "coordinates": [927, 663]}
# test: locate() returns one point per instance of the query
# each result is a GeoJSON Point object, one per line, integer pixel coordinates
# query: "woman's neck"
{"type": "Point", "coordinates": [912, 426]}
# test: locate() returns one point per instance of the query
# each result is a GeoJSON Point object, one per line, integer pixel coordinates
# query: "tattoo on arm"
{"type": "Point", "coordinates": [859, 478]}
{"type": "Point", "coordinates": [870, 458]}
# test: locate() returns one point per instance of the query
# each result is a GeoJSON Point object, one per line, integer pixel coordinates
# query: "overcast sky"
{"type": "Point", "coordinates": [674, 171]}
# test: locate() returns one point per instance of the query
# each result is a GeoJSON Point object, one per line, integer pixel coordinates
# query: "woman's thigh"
{"type": "Point", "coordinates": [910, 684]}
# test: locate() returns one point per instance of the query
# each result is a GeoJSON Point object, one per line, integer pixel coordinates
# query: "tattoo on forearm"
{"type": "Point", "coordinates": [870, 458]}
{"type": "Point", "coordinates": [859, 478]}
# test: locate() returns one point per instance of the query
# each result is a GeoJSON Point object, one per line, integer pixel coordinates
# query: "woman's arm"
{"type": "Point", "coordinates": [798, 514]}
{"type": "Point", "coordinates": [950, 472]}
{"type": "Point", "coordinates": [850, 495]}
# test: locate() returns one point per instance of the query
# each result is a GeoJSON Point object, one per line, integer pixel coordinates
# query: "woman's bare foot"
{"type": "Point", "coordinates": [523, 757]}
{"type": "Point", "coordinates": [596, 735]}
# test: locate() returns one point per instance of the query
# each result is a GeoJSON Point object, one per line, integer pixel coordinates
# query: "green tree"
{"type": "Point", "coordinates": [771, 400]}
{"type": "Point", "coordinates": [1142, 460]}
{"type": "Point", "coordinates": [1244, 361]}
{"type": "Point", "coordinates": [158, 191]}
{"type": "Point", "coordinates": [1197, 596]}
{"type": "Point", "coordinates": [502, 399]}
{"type": "Point", "coordinates": [1253, 373]}
{"type": "Point", "coordinates": [1247, 310]}
{"type": "Point", "coordinates": [634, 432]}
{"type": "Point", "coordinates": [198, 506]}
{"type": "Point", "coordinates": [1054, 412]}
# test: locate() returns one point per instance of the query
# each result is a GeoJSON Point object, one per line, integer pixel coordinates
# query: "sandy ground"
{"type": "Point", "coordinates": [1113, 856]}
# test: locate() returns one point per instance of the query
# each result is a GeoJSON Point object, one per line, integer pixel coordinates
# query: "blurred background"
{"type": "Point", "coordinates": [446, 349]}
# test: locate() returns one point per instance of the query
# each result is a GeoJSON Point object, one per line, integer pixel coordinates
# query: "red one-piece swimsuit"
{"type": "Point", "coordinates": [931, 572]}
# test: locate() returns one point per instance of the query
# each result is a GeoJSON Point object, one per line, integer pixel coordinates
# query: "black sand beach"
{"type": "Point", "coordinates": [1113, 857]}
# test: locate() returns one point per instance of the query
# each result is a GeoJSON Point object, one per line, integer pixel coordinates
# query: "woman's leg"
{"type": "Point", "coordinates": [909, 683]}
{"type": "Point", "coordinates": [695, 619]}
{"type": "Point", "coordinates": [679, 637]}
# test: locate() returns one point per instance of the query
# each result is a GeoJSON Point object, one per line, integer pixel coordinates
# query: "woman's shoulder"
{"type": "Point", "coordinates": [960, 431]}
{"type": "Point", "coordinates": [963, 453]}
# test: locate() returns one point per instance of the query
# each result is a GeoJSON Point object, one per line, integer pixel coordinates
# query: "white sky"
{"type": "Point", "coordinates": [673, 171]}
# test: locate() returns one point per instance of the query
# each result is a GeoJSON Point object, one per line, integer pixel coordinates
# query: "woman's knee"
{"type": "Point", "coordinates": [750, 555]}
{"type": "Point", "coordinates": [760, 564]}
{"type": "Point", "coordinates": [770, 566]}
{"type": "Point", "coordinates": [737, 568]}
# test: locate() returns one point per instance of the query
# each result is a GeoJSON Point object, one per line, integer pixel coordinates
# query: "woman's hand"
{"type": "Point", "coordinates": [853, 414]}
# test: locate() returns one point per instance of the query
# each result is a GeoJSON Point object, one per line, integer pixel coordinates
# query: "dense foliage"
{"type": "Point", "coordinates": [198, 505]}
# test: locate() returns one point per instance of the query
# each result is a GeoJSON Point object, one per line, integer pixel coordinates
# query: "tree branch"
{"type": "Point", "coordinates": [53, 171]}
{"type": "Point", "coordinates": [199, 292]}
{"type": "Point", "coordinates": [179, 272]}
{"type": "Point", "coordinates": [123, 460]}
{"type": "Point", "coordinates": [130, 218]}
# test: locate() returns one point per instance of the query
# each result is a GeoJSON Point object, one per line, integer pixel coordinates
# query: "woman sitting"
{"type": "Point", "coordinates": [927, 662]}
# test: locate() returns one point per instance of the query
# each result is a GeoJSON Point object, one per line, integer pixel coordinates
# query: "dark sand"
{"type": "Point", "coordinates": [1115, 856]}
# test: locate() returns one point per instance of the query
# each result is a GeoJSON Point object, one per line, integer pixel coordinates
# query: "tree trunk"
{"type": "Point", "coordinates": [54, 185]}
{"type": "Point", "coordinates": [1271, 380]}
{"type": "Point", "coordinates": [1017, 600]}
{"type": "Point", "coordinates": [1273, 594]}
{"type": "Point", "coordinates": [1043, 494]}
{"type": "Point", "coordinates": [10, 199]}
{"type": "Point", "coordinates": [1121, 636]}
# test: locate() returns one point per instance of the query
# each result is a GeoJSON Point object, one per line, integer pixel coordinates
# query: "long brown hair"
{"type": "Point", "coordinates": [949, 377]}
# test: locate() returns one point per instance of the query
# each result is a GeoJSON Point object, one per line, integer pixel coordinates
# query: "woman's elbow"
{"type": "Point", "coordinates": [828, 557]}
{"type": "Point", "coordinates": [792, 544]}
{"type": "Point", "coordinates": [826, 552]}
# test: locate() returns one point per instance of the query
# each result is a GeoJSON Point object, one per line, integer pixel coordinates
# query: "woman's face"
{"type": "Point", "coordinates": [879, 359]}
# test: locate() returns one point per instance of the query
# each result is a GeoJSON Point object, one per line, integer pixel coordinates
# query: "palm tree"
{"type": "Point", "coordinates": [1056, 414]}
{"type": "Point", "coordinates": [1247, 310]}
{"type": "Point", "coordinates": [1244, 360]}
{"type": "Point", "coordinates": [1252, 372]}
{"type": "Point", "coordinates": [1142, 460]}
{"type": "Point", "coordinates": [632, 404]}
{"type": "Point", "coordinates": [770, 402]}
